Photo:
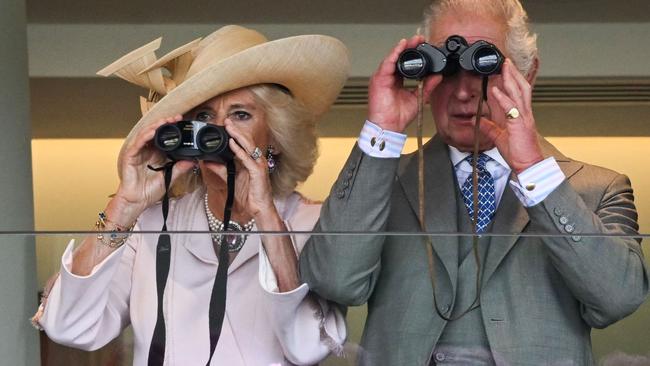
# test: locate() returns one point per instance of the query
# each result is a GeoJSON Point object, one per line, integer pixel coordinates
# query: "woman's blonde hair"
{"type": "Point", "coordinates": [294, 139]}
{"type": "Point", "coordinates": [521, 43]}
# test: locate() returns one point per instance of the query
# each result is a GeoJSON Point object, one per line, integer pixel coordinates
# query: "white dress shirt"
{"type": "Point", "coordinates": [532, 185]}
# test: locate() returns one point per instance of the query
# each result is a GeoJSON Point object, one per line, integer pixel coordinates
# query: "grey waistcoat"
{"type": "Point", "coordinates": [464, 341]}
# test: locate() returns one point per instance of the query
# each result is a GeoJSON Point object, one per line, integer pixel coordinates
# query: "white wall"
{"type": "Point", "coordinates": [573, 50]}
{"type": "Point", "coordinates": [18, 296]}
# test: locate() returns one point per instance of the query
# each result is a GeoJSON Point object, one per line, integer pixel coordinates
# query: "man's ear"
{"type": "Point", "coordinates": [532, 74]}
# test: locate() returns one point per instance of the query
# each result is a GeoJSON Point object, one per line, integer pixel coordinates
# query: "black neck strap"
{"type": "Point", "coordinates": [218, 298]}
{"type": "Point", "coordinates": [217, 308]}
{"type": "Point", "coordinates": [432, 271]}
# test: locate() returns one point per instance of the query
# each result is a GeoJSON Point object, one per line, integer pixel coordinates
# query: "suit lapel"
{"type": "Point", "coordinates": [190, 216]}
{"type": "Point", "coordinates": [252, 245]}
{"type": "Point", "coordinates": [200, 245]}
{"type": "Point", "coordinates": [247, 252]}
{"type": "Point", "coordinates": [440, 200]}
{"type": "Point", "coordinates": [511, 216]}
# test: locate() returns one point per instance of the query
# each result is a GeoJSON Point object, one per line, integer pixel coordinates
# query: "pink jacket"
{"type": "Point", "coordinates": [261, 326]}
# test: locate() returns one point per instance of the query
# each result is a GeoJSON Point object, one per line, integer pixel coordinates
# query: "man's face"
{"type": "Point", "coordinates": [455, 100]}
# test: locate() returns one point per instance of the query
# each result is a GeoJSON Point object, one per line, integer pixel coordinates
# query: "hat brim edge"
{"type": "Point", "coordinates": [316, 81]}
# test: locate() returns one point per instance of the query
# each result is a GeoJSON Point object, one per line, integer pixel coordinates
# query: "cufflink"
{"type": "Point", "coordinates": [382, 145]}
{"type": "Point", "coordinates": [373, 141]}
{"type": "Point", "coordinates": [530, 186]}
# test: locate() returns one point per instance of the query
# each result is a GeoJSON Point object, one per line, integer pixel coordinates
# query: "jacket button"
{"type": "Point", "coordinates": [569, 228]}
{"type": "Point", "coordinates": [564, 220]}
{"type": "Point", "coordinates": [440, 356]}
{"type": "Point", "coordinates": [558, 211]}
{"type": "Point", "coordinates": [576, 238]}
{"type": "Point", "coordinates": [340, 193]}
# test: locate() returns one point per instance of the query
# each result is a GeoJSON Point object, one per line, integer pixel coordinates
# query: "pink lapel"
{"type": "Point", "coordinates": [189, 216]}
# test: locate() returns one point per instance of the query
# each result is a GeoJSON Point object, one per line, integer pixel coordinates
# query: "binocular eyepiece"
{"type": "Point", "coordinates": [480, 57]}
{"type": "Point", "coordinates": [190, 140]}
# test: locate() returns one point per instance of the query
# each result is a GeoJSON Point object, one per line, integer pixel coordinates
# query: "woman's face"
{"type": "Point", "coordinates": [239, 109]}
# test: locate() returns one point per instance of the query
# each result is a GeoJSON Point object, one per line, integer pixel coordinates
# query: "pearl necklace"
{"type": "Point", "coordinates": [234, 241]}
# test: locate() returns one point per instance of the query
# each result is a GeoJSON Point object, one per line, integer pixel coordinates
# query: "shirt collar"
{"type": "Point", "coordinates": [458, 156]}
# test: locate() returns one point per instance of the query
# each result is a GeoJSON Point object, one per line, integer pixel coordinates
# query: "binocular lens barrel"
{"type": "Point", "coordinates": [486, 60]}
{"type": "Point", "coordinates": [194, 140]}
{"type": "Point", "coordinates": [412, 64]}
{"type": "Point", "coordinates": [481, 57]}
{"type": "Point", "coordinates": [168, 137]}
{"type": "Point", "coordinates": [210, 139]}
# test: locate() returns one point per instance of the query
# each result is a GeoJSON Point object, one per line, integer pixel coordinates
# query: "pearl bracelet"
{"type": "Point", "coordinates": [117, 234]}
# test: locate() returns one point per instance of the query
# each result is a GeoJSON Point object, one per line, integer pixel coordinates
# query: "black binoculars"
{"type": "Point", "coordinates": [480, 57]}
{"type": "Point", "coordinates": [194, 140]}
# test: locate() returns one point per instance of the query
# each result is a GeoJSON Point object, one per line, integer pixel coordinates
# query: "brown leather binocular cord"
{"type": "Point", "coordinates": [428, 244]}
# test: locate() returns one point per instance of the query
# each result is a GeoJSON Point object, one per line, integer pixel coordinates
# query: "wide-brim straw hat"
{"type": "Point", "coordinates": [313, 68]}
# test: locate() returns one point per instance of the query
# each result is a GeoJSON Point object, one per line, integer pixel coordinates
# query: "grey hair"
{"type": "Point", "coordinates": [293, 131]}
{"type": "Point", "coordinates": [521, 42]}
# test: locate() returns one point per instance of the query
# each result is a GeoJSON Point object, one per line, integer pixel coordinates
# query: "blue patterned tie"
{"type": "Point", "coordinates": [486, 195]}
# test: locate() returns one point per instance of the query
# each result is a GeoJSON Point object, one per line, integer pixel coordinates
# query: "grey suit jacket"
{"type": "Point", "coordinates": [541, 295]}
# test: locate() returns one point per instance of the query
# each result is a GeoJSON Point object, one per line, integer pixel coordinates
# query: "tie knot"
{"type": "Point", "coordinates": [482, 160]}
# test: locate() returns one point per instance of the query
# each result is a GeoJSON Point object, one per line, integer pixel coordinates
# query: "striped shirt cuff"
{"type": "Point", "coordinates": [381, 143]}
{"type": "Point", "coordinates": [537, 182]}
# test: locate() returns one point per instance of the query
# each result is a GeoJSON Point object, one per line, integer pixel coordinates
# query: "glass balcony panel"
{"type": "Point", "coordinates": [619, 342]}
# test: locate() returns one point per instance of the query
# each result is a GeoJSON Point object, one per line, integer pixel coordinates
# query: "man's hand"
{"type": "Point", "coordinates": [515, 138]}
{"type": "Point", "coordinates": [390, 105]}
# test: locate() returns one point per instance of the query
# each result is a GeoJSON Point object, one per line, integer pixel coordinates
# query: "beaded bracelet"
{"type": "Point", "coordinates": [117, 235]}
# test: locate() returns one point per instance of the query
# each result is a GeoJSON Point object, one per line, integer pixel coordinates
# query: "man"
{"type": "Point", "coordinates": [538, 295]}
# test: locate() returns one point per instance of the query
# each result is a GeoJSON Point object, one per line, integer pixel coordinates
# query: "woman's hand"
{"type": "Point", "coordinates": [259, 203]}
{"type": "Point", "coordinates": [258, 194]}
{"type": "Point", "coordinates": [252, 184]}
{"type": "Point", "coordinates": [253, 193]}
{"type": "Point", "coordinates": [140, 187]}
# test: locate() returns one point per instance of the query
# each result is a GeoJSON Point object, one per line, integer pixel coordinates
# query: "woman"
{"type": "Point", "coordinates": [267, 95]}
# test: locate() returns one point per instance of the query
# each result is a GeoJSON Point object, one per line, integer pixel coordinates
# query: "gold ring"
{"type": "Point", "coordinates": [512, 113]}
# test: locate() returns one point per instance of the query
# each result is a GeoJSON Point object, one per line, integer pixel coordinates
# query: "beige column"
{"type": "Point", "coordinates": [19, 344]}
